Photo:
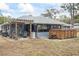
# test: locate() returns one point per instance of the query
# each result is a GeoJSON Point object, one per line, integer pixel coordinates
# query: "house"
{"type": "Point", "coordinates": [33, 26]}
{"type": "Point", "coordinates": [76, 25]}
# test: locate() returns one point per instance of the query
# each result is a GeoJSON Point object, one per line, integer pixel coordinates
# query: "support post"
{"type": "Point", "coordinates": [16, 37]}
{"type": "Point", "coordinates": [9, 29]}
{"type": "Point", "coordinates": [36, 30]}
{"type": "Point", "coordinates": [30, 29]}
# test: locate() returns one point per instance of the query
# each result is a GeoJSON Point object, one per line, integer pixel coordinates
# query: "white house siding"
{"type": "Point", "coordinates": [76, 27]}
{"type": "Point", "coordinates": [40, 34]}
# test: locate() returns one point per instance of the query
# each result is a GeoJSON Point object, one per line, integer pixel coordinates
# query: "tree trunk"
{"type": "Point", "coordinates": [72, 14]}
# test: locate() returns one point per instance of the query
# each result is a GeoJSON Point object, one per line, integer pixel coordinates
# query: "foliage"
{"type": "Point", "coordinates": [64, 18]}
{"type": "Point", "coordinates": [77, 21]}
{"type": "Point", "coordinates": [72, 8]}
{"type": "Point", "coordinates": [51, 13]}
{"type": "Point", "coordinates": [3, 19]}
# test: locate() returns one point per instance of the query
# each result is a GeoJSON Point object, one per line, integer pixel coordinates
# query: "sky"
{"type": "Point", "coordinates": [20, 9]}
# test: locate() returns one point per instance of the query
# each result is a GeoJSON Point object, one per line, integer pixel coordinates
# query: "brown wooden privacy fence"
{"type": "Point", "coordinates": [62, 33]}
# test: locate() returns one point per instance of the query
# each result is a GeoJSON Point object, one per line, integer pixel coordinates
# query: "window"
{"type": "Point", "coordinates": [43, 28]}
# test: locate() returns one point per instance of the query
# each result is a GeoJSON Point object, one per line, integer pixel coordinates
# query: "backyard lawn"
{"type": "Point", "coordinates": [39, 47]}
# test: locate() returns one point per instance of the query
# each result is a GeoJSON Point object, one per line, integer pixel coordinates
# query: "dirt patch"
{"type": "Point", "coordinates": [39, 47]}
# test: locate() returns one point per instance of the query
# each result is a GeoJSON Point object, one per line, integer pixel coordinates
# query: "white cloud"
{"type": "Point", "coordinates": [26, 7]}
{"type": "Point", "coordinates": [22, 7]}
{"type": "Point", "coordinates": [7, 11]}
{"type": "Point", "coordinates": [3, 6]}
{"type": "Point", "coordinates": [7, 14]}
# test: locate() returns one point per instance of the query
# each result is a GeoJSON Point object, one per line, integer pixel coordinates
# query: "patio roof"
{"type": "Point", "coordinates": [42, 20]}
{"type": "Point", "coordinates": [38, 20]}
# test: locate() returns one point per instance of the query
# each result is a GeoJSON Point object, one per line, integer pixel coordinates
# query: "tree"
{"type": "Point", "coordinates": [64, 18]}
{"type": "Point", "coordinates": [1, 19]}
{"type": "Point", "coordinates": [0, 13]}
{"type": "Point", "coordinates": [4, 19]}
{"type": "Point", "coordinates": [72, 8]}
{"type": "Point", "coordinates": [51, 13]}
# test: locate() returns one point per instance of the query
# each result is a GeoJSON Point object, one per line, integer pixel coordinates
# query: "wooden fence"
{"type": "Point", "coordinates": [62, 33]}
